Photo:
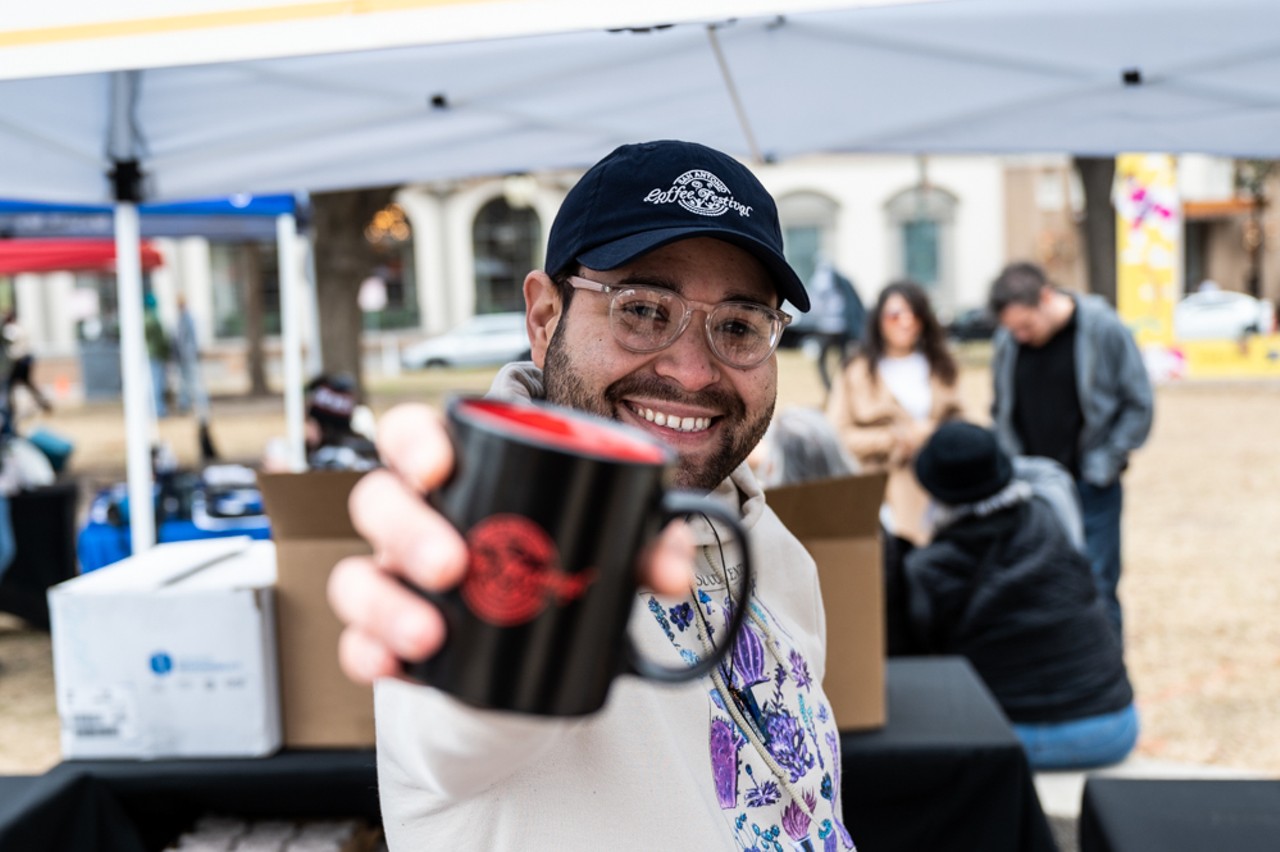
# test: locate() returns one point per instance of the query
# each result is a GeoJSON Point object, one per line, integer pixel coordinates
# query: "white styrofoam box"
{"type": "Point", "coordinates": [171, 653]}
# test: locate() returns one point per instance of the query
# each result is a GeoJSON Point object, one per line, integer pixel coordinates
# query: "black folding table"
{"type": "Point", "coordinates": [1180, 815]}
{"type": "Point", "coordinates": [946, 773]}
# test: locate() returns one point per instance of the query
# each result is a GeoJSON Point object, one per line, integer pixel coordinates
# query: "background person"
{"type": "Point", "coordinates": [837, 317]}
{"type": "Point", "coordinates": [1002, 584]}
{"type": "Point", "coordinates": [158, 352]}
{"type": "Point", "coordinates": [892, 396]}
{"type": "Point", "coordinates": [1070, 385]}
{"type": "Point", "coordinates": [800, 446]}
{"type": "Point", "coordinates": [331, 437]}
{"type": "Point", "coordinates": [21, 362]}
{"type": "Point", "coordinates": [657, 308]}
{"type": "Point", "coordinates": [186, 350]}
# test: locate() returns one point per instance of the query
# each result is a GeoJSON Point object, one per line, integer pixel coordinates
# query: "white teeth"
{"type": "Point", "coordinates": [680, 424]}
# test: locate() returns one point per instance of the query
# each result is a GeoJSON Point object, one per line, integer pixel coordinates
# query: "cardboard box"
{"type": "Point", "coordinates": [321, 707]}
{"type": "Point", "coordinates": [838, 521]}
{"type": "Point", "coordinates": [169, 654]}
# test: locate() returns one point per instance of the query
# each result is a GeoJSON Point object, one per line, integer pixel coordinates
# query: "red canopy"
{"type": "Point", "coordinates": [40, 255]}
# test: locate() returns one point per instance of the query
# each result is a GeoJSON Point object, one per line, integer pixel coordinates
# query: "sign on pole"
{"type": "Point", "coordinates": [1148, 245]}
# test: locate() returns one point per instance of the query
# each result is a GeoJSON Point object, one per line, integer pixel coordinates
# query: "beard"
{"type": "Point", "coordinates": [738, 433]}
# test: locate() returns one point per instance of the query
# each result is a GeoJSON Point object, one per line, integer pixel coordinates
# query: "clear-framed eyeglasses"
{"type": "Point", "coordinates": [646, 319]}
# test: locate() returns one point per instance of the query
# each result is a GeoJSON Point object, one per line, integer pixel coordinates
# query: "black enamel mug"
{"type": "Point", "coordinates": [555, 505]}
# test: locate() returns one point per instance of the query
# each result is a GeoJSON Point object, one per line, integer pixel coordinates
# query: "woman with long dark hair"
{"type": "Point", "coordinates": [893, 395]}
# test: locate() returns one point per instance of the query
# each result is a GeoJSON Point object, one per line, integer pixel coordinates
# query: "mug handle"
{"type": "Point", "coordinates": [674, 504]}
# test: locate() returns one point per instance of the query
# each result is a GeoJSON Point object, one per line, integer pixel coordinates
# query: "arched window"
{"type": "Point", "coordinates": [921, 220]}
{"type": "Point", "coordinates": [505, 242]}
{"type": "Point", "coordinates": [808, 230]}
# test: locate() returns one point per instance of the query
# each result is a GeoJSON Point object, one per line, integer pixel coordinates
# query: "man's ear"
{"type": "Point", "coordinates": [542, 313]}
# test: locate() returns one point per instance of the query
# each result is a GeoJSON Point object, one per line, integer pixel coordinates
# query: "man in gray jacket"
{"type": "Point", "coordinates": [1070, 385]}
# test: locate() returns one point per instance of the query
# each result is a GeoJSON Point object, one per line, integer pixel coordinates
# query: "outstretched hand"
{"type": "Point", "coordinates": [385, 622]}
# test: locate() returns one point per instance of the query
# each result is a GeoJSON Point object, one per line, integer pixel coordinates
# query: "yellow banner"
{"type": "Point", "coordinates": [1254, 357]}
{"type": "Point", "coordinates": [1148, 245]}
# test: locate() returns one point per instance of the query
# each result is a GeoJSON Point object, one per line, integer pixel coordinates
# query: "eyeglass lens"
{"type": "Point", "coordinates": [646, 320]}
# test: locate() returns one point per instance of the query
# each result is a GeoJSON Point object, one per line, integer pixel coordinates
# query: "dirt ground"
{"type": "Point", "coordinates": [1201, 586]}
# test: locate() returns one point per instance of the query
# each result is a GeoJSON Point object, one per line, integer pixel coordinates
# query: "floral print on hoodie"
{"type": "Point", "coordinates": [771, 686]}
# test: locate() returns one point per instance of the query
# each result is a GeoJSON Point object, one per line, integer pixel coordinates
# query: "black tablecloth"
{"type": "Point", "coordinates": [44, 533]}
{"type": "Point", "coordinates": [946, 773]}
{"type": "Point", "coordinates": [1165, 815]}
{"type": "Point", "coordinates": [138, 806]}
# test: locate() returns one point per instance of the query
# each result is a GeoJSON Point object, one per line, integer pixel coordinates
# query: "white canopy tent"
{"type": "Point", "coordinates": [1085, 76]}
{"type": "Point", "coordinates": [304, 96]}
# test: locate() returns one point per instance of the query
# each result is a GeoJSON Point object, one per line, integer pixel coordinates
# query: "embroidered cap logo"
{"type": "Point", "coordinates": [699, 191]}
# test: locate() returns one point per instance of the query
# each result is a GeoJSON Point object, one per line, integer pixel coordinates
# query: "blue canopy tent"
{"type": "Point", "coordinates": [221, 222]}
{"type": "Point", "coordinates": [135, 376]}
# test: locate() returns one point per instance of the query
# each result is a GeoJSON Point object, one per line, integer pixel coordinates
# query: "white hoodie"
{"type": "Point", "coordinates": [660, 766]}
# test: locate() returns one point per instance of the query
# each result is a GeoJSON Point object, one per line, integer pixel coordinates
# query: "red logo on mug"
{"type": "Point", "coordinates": [514, 570]}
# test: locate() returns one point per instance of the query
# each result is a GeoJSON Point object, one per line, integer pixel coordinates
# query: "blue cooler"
{"type": "Point", "coordinates": [55, 447]}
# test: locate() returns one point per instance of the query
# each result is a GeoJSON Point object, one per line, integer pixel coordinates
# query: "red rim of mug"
{"type": "Point", "coordinates": [564, 429]}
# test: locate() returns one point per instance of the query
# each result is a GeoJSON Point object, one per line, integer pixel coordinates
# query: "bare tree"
{"type": "Point", "coordinates": [1099, 226]}
{"type": "Point", "coordinates": [343, 259]}
{"type": "Point", "coordinates": [1251, 177]}
{"type": "Point", "coordinates": [251, 282]}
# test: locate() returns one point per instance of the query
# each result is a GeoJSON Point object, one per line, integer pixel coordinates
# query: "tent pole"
{"type": "Point", "coordinates": [135, 373]}
{"type": "Point", "coordinates": [738, 108]}
{"type": "Point", "coordinates": [135, 378]}
{"type": "Point", "coordinates": [315, 355]}
{"type": "Point", "coordinates": [291, 338]}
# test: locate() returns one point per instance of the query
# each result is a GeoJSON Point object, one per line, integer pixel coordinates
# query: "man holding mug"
{"type": "Point", "coordinates": [658, 308]}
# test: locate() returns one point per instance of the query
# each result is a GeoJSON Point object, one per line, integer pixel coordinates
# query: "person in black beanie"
{"type": "Point", "coordinates": [1002, 584]}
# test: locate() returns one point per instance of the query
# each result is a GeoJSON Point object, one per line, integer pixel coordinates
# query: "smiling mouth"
{"type": "Point", "coordinates": [672, 421]}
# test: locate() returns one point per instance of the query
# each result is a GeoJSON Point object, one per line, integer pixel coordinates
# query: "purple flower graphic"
{"type": "Point", "coordinates": [786, 742]}
{"type": "Point", "coordinates": [724, 762]}
{"type": "Point", "coordinates": [748, 657]}
{"type": "Point", "coordinates": [764, 795]}
{"type": "Point", "coordinates": [681, 615]}
{"type": "Point", "coordinates": [833, 743]}
{"type": "Point", "coordinates": [795, 819]}
{"type": "Point", "coordinates": [795, 822]}
{"type": "Point", "coordinates": [800, 671]}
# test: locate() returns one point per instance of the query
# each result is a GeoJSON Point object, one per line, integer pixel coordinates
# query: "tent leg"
{"type": "Point", "coordinates": [291, 344]}
{"type": "Point", "coordinates": [135, 378]}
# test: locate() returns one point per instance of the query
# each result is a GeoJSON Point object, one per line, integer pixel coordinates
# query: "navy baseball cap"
{"type": "Point", "coordinates": [648, 195]}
